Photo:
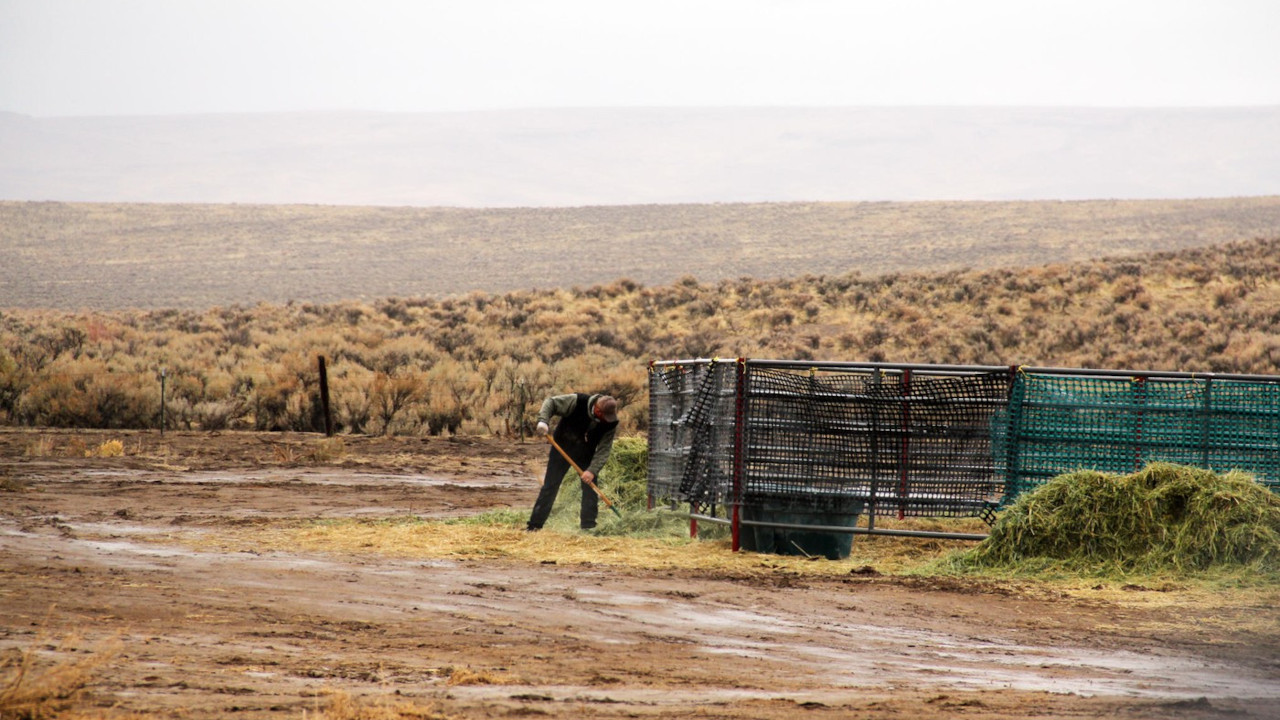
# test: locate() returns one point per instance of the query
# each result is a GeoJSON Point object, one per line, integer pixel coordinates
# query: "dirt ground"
{"type": "Point", "coordinates": [247, 633]}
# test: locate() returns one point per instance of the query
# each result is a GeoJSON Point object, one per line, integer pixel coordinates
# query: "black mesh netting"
{"type": "Point", "coordinates": [900, 443]}
{"type": "Point", "coordinates": [903, 443]}
{"type": "Point", "coordinates": [691, 432]}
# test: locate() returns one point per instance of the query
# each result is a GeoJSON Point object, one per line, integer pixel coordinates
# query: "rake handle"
{"type": "Point", "coordinates": [581, 476]}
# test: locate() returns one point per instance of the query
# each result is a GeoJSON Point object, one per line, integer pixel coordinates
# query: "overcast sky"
{"type": "Point", "coordinates": [127, 57]}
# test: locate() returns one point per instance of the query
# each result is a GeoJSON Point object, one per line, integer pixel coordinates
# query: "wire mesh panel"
{"type": "Point", "coordinates": [846, 438]}
{"type": "Point", "coordinates": [1242, 429]}
{"type": "Point", "coordinates": [692, 409]}
{"type": "Point", "coordinates": [1119, 424]}
{"type": "Point", "coordinates": [902, 442]}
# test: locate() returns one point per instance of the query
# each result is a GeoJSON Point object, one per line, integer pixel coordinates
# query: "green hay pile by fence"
{"type": "Point", "coordinates": [1163, 519]}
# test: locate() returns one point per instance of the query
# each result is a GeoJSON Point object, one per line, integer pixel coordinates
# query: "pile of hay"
{"type": "Point", "coordinates": [1163, 519]}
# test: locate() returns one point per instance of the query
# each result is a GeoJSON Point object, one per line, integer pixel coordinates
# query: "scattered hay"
{"type": "Point", "coordinates": [637, 537]}
{"type": "Point", "coordinates": [341, 706]}
{"type": "Point", "coordinates": [411, 537]}
{"type": "Point", "coordinates": [108, 449]}
{"type": "Point", "coordinates": [467, 676]}
{"type": "Point", "coordinates": [41, 447]}
{"type": "Point", "coordinates": [500, 535]}
{"type": "Point", "coordinates": [1163, 519]}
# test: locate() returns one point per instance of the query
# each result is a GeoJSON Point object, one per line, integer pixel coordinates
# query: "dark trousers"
{"type": "Point", "coordinates": [557, 466]}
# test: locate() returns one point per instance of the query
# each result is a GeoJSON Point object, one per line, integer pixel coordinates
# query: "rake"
{"type": "Point", "coordinates": [589, 483]}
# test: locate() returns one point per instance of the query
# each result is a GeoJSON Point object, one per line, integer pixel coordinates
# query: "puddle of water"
{"type": "Point", "coordinates": [866, 655]}
{"type": "Point", "coordinates": [114, 528]}
{"type": "Point", "coordinates": [113, 547]}
{"type": "Point", "coordinates": [606, 597]}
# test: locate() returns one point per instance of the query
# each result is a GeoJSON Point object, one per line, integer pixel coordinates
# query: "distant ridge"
{"type": "Point", "coordinates": [589, 157]}
{"type": "Point", "coordinates": [106, 256]}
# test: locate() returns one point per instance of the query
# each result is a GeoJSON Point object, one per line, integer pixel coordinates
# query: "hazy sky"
{"type": "Point", "coordinates": [124, 57]}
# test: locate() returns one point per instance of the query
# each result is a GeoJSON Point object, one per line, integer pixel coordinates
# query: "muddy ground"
{"type": "Point", "coordinates": [253, 634]}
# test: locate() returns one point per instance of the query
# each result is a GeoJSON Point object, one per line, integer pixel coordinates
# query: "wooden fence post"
{"type": "Point", "coordinates": [324, 398]}
{"type": "Point", "coordinates": [163, 372]}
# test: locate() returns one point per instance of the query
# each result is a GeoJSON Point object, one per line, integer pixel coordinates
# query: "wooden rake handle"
{"type": "Point", "coordinates": [587, 482]}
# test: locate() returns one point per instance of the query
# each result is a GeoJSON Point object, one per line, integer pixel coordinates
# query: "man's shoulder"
{"type": "Point", "coordinates": [565, 403]}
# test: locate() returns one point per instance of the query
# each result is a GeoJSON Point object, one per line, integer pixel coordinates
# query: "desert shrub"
{"type": "Point", "coordinates": [451, 393]}
{"type": "Point", "coordinates": [390, 395]}
{"type": "Point", "coordinates": [287, 398]}
{"type": "Point", "coordinates": [439, 416]}
{"type": "Point", "coordinates": [1164, 518]}
{"type": "Point", "coordinates": [519, 389]}
{"type": "Point", "coordinates": [85, 398]}
{"type": "Point", "coordinates": [13, 383]}
{"type": "Point", "coordinates": [351, 400]}
{"type": "Point", "coordinates": [504, 353]}
{"type": "Point", "coordinates": [218, 414]}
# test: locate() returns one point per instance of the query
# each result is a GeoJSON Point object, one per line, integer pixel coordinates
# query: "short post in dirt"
{"type": "Point", "coordinates": [163, 372]}
{"type": "Point", "coordinates": [324, 397]}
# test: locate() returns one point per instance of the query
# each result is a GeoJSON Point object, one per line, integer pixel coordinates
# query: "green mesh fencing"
{"type": "Point", "coordinates": [1060, 423]}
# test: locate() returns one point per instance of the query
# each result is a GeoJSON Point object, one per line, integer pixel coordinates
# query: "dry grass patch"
{"type": "Point", "coordinates": [467, 676]}
{"type": "Point", "coordinates": [108, 449]}
{"type": "Point", "coordinates": [341, 706]}
{"type": "Point", "coordinates": [33, 688]}
{"type": "Point", "coordinates": [41, 447]}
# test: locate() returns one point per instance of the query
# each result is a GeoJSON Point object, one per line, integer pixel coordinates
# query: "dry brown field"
{"type": "Point", "coordinates": [113, 256]}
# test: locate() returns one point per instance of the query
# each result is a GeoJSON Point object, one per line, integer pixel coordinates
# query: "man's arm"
{"type": "Point", "coordinates": [557, 405]}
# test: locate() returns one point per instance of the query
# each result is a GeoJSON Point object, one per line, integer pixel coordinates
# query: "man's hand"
{"type": "Point", "coordinates": [588, 476]}
{"type": "Point", "coordinates": [542, 429]}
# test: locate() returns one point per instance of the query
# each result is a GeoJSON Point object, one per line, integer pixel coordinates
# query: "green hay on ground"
{"type": "Point", "coordinates": [1164, 519]}
{"type": "Point", "coordinates": [624, 480]}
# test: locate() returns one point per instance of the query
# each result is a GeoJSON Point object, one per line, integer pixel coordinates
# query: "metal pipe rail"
{"type": "Point", "coordinates": [926, 368]}
{"type": "Point", "coordinates": [842, 529]}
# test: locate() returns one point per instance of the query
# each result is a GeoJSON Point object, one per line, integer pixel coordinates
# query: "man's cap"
{"type": "Point", "coordinates": [608, 407]}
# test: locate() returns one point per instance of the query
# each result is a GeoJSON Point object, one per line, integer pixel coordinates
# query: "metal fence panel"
{"type": "Point", "coordinates": [937, 440]}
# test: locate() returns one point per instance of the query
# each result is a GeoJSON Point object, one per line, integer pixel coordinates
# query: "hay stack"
{"type": "Point", "coordinates": [1164, 518]}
